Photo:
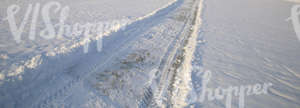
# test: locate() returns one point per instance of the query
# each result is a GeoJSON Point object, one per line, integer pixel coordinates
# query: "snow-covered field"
{"type": "Point", "coordinates": [16, 57]}
{"type": "Point", "coordinates": [248, 42]}
{"type": "Point", "coordinates": [152, 53]}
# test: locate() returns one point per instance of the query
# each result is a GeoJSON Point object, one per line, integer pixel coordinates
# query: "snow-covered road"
{"type": "Point", "coordinates": [165, 54]}
{"type": "Point", "coordinates": [135, 68]}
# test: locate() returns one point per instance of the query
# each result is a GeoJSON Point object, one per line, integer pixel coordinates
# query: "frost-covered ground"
{"type": "Point", "coordinates": [154, 53]}
{"type": "Point", "coordinates": [16, 57]}
{"type": "Point", "coordinates": [248, 42]}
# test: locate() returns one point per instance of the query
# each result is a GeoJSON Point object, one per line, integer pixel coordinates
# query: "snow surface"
{"type": "Point", "coordinates": [156, 55]}
{"type": "Point", "coordinates": [17, 57]}
{"type": "Point", "coordinates": [245, 42]}
{"type": "Point", "coordinates": [296, 1]}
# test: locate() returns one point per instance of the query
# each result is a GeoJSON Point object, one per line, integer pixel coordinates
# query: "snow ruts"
{"type": "Point", "coordinates": [175, 68]}
{"type": "Point", "coordinates": [63, 92]}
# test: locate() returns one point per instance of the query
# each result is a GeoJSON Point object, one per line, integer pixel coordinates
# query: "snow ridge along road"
{"type": "Point", "coordinates": [182, 82]}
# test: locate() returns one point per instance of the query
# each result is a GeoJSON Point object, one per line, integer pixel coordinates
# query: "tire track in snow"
{"type": "Point", "coordinates": [182, 81]}
{"type": "Point", "coordinates": [174, 63]}
{"type": "Point", "coordinates": [62, 93]}
{"type": "Point", "coordinates": [152, 94]}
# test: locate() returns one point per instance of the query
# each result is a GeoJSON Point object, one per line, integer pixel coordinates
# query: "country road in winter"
{"type": "Point", "coordinates": [149, 54]}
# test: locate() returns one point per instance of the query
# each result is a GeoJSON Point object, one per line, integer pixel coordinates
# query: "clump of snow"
{"type": "Point", "coordinates": [4, 56]}
{"type": "Point", "coordinates": [2, 77]}
{"type": "Point", "coordinates": [34, 62]}
{"type": "Point", "coordinates": [18, 71]}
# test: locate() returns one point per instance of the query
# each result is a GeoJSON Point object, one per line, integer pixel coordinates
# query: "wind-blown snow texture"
{"type": "Point", "coordinates": [247, 42]}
